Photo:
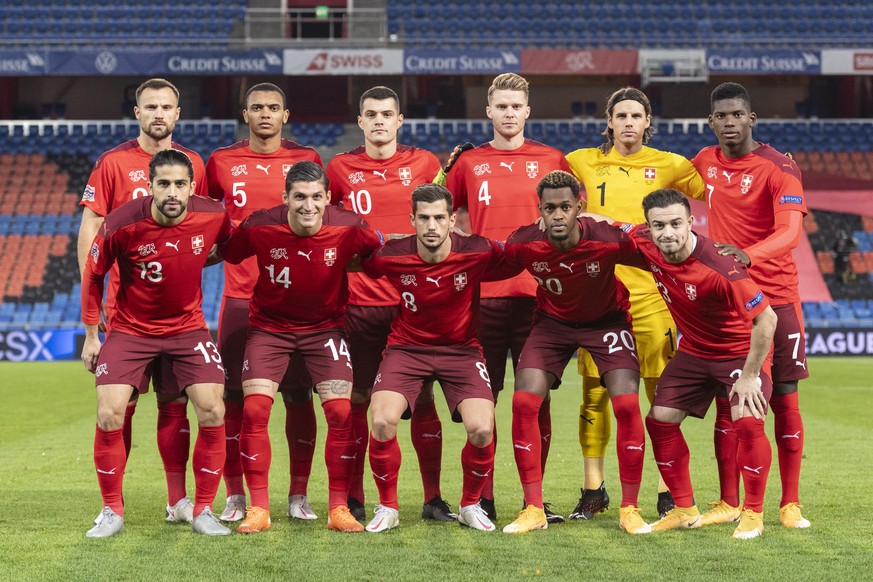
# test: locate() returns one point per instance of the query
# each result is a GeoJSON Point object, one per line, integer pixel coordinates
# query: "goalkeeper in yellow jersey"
{"type": "Point", "coordinates": [616, 176]}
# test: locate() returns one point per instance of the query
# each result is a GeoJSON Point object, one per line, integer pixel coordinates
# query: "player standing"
{"type": "Point", "coordinates": [616, 176]}
{"type": "Point", "coordinates": [248, 176]}
{"type": "Point", "coordinates": [160, 244]}
{"type": "Point", "coordinates": [580, 302]}
{"type": "Point", "coordinates": [120, 175]}
{"type": "Point", "coordinates": [496, 184]}
{"type": "Point", "coordinates": [297, 305]}
{"type": "Point", "coordinates": [727, 333]}
{"type": "Point", "coordinates": [437, 275]}
{"type": "Point", "coordinates": [375, 182]}
{"type": "Point", "coordinates": [756, 204]}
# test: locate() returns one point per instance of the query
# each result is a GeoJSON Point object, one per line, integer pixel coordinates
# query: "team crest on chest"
{"type": "Point", "coordinates": [712, 173]}
{"type": "Point", "coordinates": [408, 280]}
{"type": "Point", "coordinates": [330, 256]}
{"type": "Point", "coordinates": [286, 168]}
{"type": "Point", "coordinates": [405, 175]}
{"type": "Point", "coordinates": [592, 268]}
{"type": "Point", "coordinates": [691, 291]}
{"type": "Point", "coordinates": [532, 169]}
{"type": "Point", "coordinates": [147, 249]}
{"type": "Point", "coordinates": [541, 266]}
{"type": "Point", "coordinates": [602, 171]}
{"type": "Point", "coordinates": [482, 169]}
{"type": "Point", "coordinates": [460, 281]}
{"type": "Point", "coordinates": [280, 253]}
{"type": "Point", "coordinates": [197, 244]}
{"type": "Point", "coordinates": [137, 176]}
{"type": "Point", "coordinates": [649, 174]}
{"type": "Point", "coordinates": [356, 178]}
{"type": "Point", "coordinates": [240, 170]}
{"type": "Point", "coordinates": [746, 183]}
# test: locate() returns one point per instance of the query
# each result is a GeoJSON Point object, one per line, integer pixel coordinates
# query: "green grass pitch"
{"type": "Point", "coordinates": [49, 497]}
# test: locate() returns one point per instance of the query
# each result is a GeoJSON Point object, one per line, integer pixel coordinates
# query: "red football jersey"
{"type": "Point", "coordinates": [302, 283]}
{"type": "Point", "coordinates": [247, 181]}
{"type": "Point", "coordinates": [499, 190]}
{"type": "Point", "coordinates": [160, 267]}
{"type": "Point", "coordinates": [744, 195]}
{"type": "Point", "coordinates": [122, 174]}
{"type": "Point", "coordinates": [439, 303]}
{"type": "Point", "coordinates": [379, 191]}
{"type": "Point", "coordinates": [712, 298]}
{"type": "Point", "coordinates": [576, 286]}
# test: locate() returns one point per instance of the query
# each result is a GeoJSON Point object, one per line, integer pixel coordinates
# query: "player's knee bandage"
{"type": "Point", "coordinates": [594, 419]}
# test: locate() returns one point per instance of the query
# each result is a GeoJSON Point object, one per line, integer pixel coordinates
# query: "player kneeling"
{"type": "Point", "coordinates": [432, 338]}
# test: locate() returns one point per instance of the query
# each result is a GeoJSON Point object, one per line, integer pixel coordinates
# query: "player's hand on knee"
{"type": "Point", "coordinates": [749, 394]}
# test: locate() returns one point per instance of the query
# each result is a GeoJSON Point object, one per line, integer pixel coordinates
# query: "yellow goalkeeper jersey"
{"type": "Point", "coordinates": [616, 185]}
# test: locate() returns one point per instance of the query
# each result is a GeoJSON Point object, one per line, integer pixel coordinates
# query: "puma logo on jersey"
{"type": "Point", "coordinates": [728, 176]}
{"type": "Point", "coordinates": [381, 174]}
{"type": "Point", "coordinates": [507, 166]}
{"type": "Point", "coordinates": [735, 271]}
{"type": "Point", "coordinates": [799, 363]}
{"type": "Point", "coordinates": [434, 281]}
{"type": "Point", "coordinates": [266, 168]}
{"type": "Point", "coordinates": [568, 267]}
{"type": "Point", "coordinates": [302, 254]}
{"type": "Point", "coordinates": [756, 470]}
{"type": "Point", "coordinates": [175, 246]}
{"type": "Point", "coordinates": [626, 171]}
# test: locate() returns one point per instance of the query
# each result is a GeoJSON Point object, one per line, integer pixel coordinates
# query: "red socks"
{"type": "Point", "coordinates": [209, 455]}
{"type": "Point", "coordinates": [545, 421]}
{"type": "Point", "coordinates": [339, 450]}
{"type": "Point", "coordinates": [300, 430]}
{"type": "Point", "coordinates": [110, 459]}
{"type": "Point", "coordinates": [754, 456]}
{"type": "Point", "coordinates": [476, 464]}
{"type": "Point", "coordinates": [788, 428]}
{"type": "Point", "coordinates": [427, 438]}
{"type": "Point", "coordinates": [127, 427]}
{"type": "Point", "coordinates": [361, 434]}
{"type": "Point", "coordinates": [174, 444]}
{"type": "Point", "coordinates": [233, 471]}
{"type": "Point", "coordinates": [527, 445]}
{"type": "Point", "coordinates": [385, 463]}
{"type": "Point", "coordinates": [725, 438]}
{"type": "Point", "coordinates": [488, 486]}
{"type": "Point", "coordinates": [630, 444]}
{"type": "Point", "coordinates": [672, 458]}
{"type": "Point", "coordinates": [254, 447]}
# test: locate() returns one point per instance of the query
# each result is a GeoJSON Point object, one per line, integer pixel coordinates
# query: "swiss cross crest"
{"type": "Point", "coordinates": [532, 169]}
{"type": "Point", "coordinates": [286, 168]}
{"type": "Point", "coordinates": [137, 176]}
{"type": "Point", "coordinates": [691, 290]}
{"type": "Point", "coordinates": [746, 183]}
{"type": "Point", "coordinates": [540, 266]}
{"type": "Point", "coordinates": [482, 169]}
{"type": "Point", "coordinates": [649, 173]}
{"type": "Point", "coordinates": [408, 280]}
{"type": "Point", "coordinates": [197, 242]}
{"type": "Point", "coordinates": [278, 253]}
{"type": "Point", "coordinates": [330, 256]}
{"type": "Point", "coordinates": [712, 173]}
{"type": "Point", "coordinates": [405, 175]}
{"type": "Point", "coordinates": [460, 281]}
{"type": "Point", "coordinates": [239, 170]}
{"type": "Point", "coordinates": [356, 178]}
{"type": "Point", "coordinates": [592, 268]}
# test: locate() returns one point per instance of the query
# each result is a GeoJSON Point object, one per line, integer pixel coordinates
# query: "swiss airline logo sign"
{"type": "Point", "coordinates": [343, 61]}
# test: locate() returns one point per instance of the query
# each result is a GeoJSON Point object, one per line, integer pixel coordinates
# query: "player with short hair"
{"type": "Point", "coordinates": [121, 175]}
{"type": "Point", "coordinates": [302, 248]}
{"type": "Point", "coordinates": [727, 332]}
{"type": "Point", "coordinates": [580, 303]}
{"type": "Point", "coordinates": [248, 176]}
{"type": "Point", "coordinates": [375, 181]}
{"type": "Point", "coordinates": [616, 175]}
{"type": "Point", "coordinates": [160, 243]}
{"type": "Point", "coordinates": [495, 183]}
{"type": "Point", "coordinates": [433, 337]}
{"type": "Point", "coordinates": [756, 208]}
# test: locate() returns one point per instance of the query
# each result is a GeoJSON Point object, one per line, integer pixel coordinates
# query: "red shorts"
{"type": "Point", "coordinates": [504, 326]}
{"type": "Point", "coordinates": [690, 383]}
{"type": "Point", "coordinates": [552, 343]}
{"type": "Point", "coordinates": [789, 346]}
{"type": "Point", "coordinates": [460, 371]}
{"type": "Point", "coordinates": [233, 326]}
{"type": "Point", "coordinates": [367, 327]}
{"type": "Point", "coordinates": [324, 352]}
{"type": "Point", "coordinates": [192, 357]}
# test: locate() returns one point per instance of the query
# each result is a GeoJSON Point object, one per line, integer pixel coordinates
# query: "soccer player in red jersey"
{"type": "Point", "coordinates": [248, 176]}
{"type": "Point", "coordinates": [160, 244]}
{"type": "Point", "coordinates": [496, 184]}
{"type": "Point", "coordinates": [433, 337]}
{"type": "Point", "coordinates": [375, 182]}
{"type": "Point", "coordinates": [120, 175]}
{"type": "Point", "coordinates": [727, 331]}
{"type": "Point", "coordinates": [756, 208]}
{"type": "Point", "coordinates": [302, 248]}
{"type": "Point", "coordinates": [580, 303]}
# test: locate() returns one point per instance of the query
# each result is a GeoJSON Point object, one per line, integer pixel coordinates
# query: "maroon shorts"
{"type": "Point", "coordinates": [504, 326]}
{"type": "Point", "coordinates": [552, 343]}
{"type": "Point", "coordinates": [460, 371]}
{"type": "Point", "coordinates": [789, 345]}
{"type": "Point", "coordinates": [233, 326]}
{"type": "Point", "coordinates": [192, 357]}
{"type": "Point", "coordinates": [367, 327]}
{"type": "Point", "coordinates": [325, 355]}
{"type": "Point", "coordinates": [690, 383]}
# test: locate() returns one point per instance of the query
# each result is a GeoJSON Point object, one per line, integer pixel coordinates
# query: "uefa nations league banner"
{"type": "Point", "coordinates": [839, 341]}
{"type": "Point", "coordinates": [763, 62]}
